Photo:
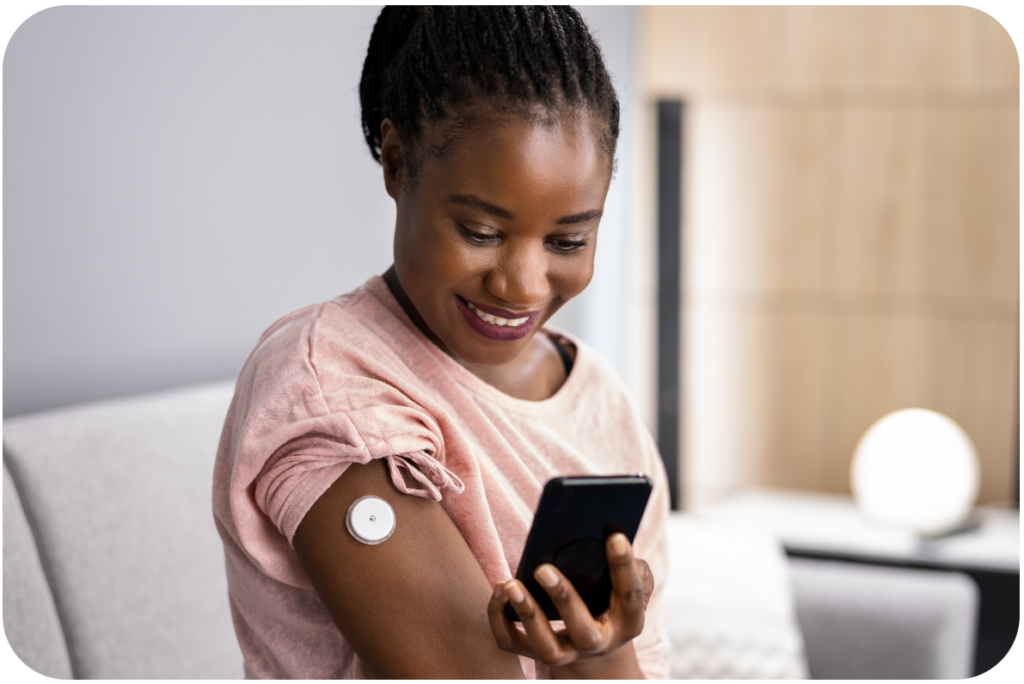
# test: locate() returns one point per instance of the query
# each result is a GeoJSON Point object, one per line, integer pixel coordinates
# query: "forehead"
{"type": "Point", "coordinates": [520, 160]}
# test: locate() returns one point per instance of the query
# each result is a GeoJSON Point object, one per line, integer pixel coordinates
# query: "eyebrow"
{"type": "Point", "coordinates": [474, 202]}
{"type": "Point", "coordinates": [580, 218]}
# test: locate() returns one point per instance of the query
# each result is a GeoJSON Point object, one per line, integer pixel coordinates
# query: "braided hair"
{"type": "Point", "coordinates": [440, 64]}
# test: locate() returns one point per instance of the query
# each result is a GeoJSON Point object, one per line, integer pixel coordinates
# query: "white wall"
{"type": "Point", "coordinates": [177, 178]}
{"type": "Point", "coordinates": [598, 315]}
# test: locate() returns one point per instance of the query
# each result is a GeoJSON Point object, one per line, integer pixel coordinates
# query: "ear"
{"type": "Point", "coordinates": [392, 158]}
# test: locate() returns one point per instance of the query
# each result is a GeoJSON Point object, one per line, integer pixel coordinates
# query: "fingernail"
{"type": "Point", "coordinates": [620, 545]}
{"type": "Point", "coordinates": [546, 576]}
{"type": "Point", "coordinates": [515, 593]}
{"type": "Point", "coordinates": [497, 590]}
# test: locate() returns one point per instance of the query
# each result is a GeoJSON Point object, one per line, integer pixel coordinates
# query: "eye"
{"type": "Point", "coordinates": [564, 246]}
{"type": "Point", "coordinates": [477, 238]}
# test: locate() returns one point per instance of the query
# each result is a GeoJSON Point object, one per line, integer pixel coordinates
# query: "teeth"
{"type": "Point", "coordinates": [498, 320]}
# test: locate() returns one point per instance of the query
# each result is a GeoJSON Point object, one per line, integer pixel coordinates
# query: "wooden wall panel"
{"type": "Point", "coordinates": [832, 50]}
{"type": "Point", "coordinates": [972, 205]}
{"type": "Point", "coordinates": [785, 393]}
{"type": "Point", "coordinates": [862, 200]}
{"type": "Point", "coordinates": [852, 246]}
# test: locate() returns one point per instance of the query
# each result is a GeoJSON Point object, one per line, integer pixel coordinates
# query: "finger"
{"type": "Point", "coordinates": [586, 633]}
{"type": "Point", "coordinates": [505, 633]}
{"type": "Point", "coordinates": [627, 603]}
{"type": "Point", "coordinates": [648, 581]}
{"type": "Point", "coordinates": [545, 644]}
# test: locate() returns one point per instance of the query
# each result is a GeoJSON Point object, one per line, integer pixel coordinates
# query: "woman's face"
{"type": "Point", "coordinates": [499, 232]}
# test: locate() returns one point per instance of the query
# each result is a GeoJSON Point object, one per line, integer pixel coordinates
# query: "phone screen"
{"type": "Point", "coordinates": [574, 519]}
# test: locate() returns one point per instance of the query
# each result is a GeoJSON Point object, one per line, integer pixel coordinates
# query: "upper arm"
{"type": "Point", "coordinates": [414, 606]}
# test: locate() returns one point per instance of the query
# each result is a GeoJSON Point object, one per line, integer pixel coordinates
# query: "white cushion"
{"type": "Point", "coordinates": [729, 604]}
{"type": "Point", "coordinates": [30, 616]}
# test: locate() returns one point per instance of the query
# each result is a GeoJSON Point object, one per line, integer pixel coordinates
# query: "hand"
{"type": "Point", "coordinates": [587, 646]}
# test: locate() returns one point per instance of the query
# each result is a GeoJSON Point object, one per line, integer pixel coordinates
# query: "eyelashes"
{"type": "Point", "coordinates": [566, 246]}
{"type": "Point", "coordinates": [557, 245]}
{"type": "Point", "coordinates": [477, 238]}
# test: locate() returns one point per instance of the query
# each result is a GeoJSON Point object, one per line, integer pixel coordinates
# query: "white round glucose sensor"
{"type": "Point", "coordinates": [370, 519]}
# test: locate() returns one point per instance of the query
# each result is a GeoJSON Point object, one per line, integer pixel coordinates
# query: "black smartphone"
{"type": "Point", "coordinates": [574, 519]}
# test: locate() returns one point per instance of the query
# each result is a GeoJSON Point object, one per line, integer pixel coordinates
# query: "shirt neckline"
{"type": "Point", "coordinates": [382, 293]}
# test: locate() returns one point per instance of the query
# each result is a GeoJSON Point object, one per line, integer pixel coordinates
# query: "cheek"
{"type": "Point", "coordinates": [430, 256]}
{"type": "Point", "coordinates": [571, 276]}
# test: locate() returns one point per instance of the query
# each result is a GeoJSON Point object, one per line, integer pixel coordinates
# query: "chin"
{"type": "Point", "coordinates": [498, 357]}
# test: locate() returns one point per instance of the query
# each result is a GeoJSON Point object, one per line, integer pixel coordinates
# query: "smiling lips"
{"type": "Point", "coordinates": [497, 320]}
{"type": "Point", "coordinates": [495, 326]}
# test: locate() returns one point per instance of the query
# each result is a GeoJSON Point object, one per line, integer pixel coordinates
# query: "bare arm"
{"type": "Point", "coordinates": [414, 606]}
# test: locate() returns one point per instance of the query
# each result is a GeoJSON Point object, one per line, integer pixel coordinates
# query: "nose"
{"type": "Point", "coordinates": [520, 277]}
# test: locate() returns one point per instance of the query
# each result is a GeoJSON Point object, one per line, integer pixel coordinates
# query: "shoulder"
{"type": "Point", "coordinates": [350, 325]}
{"type": "Point", "coordinates": [324, 387]}
{"type": "Point", "coordinates": [303, 321]}
{"type": "Point", "coordinates": [334, 357]}
{"type": "Point", "coordinates": [597, 379]}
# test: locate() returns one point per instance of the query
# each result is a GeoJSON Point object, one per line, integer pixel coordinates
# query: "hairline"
{"type": "Point", "coordinates": [457, 126]}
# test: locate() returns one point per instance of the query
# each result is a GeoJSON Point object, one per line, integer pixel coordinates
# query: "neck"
{"type": "Point", "coordinates": [391, 279]}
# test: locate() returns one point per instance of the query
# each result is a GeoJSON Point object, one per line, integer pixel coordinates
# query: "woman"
{"type": "Point", "coordinates": [437, 388]}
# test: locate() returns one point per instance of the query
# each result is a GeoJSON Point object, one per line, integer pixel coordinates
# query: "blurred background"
{"type": "Point", "coordinates": [815, 222]}
{"type": "Point", "coordinates": [851, 221]}
{"type": "Point", "coordinates": [176, 179]}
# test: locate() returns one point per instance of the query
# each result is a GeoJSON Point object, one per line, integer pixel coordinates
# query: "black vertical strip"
{"type": "Point", "coordinates": [670, 231]}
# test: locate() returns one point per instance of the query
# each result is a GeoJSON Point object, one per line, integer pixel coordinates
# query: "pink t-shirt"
{"type": "Point", "coordinates": [353, 379]}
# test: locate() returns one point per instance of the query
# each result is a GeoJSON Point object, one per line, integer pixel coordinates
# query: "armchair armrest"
{"type": "Point", "coordinates": [873, 622]}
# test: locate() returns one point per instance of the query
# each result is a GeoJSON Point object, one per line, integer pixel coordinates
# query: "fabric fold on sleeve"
{"type": "Point", "coordinates": [425, 470]}
{"type": "Point", "coordinates": [311, 455]}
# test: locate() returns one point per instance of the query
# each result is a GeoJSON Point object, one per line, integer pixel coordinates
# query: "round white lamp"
{"type": "Point", "coordinates": [917, 469]}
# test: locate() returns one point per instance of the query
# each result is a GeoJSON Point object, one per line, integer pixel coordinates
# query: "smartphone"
{"type": "Point", "coordinates": [574, 519]}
